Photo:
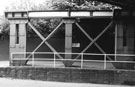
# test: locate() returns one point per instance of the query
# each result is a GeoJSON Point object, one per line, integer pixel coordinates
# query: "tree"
{"type": "Point", "coordinates": [4, 28]}
{"type": "Point", "coordinates": [17, 5]}
{"type": "Point", "coordinates": [80, 5]}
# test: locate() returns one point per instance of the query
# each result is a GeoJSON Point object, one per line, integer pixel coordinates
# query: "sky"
{"type": "Point", "coordinates": [5, 3]}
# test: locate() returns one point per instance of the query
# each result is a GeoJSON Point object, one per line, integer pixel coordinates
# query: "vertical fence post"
{"type": "Point", "coordinates": [33, 61]}
{"type": "Point", "coordinates": [104, 61]}
{"type": "Point", "coordinates": [54, 60]}
{"type": "Point", "coordinates": [115, 57]}
{"type": "Point", "coordinates": [11, 59]}
{"type": "Point", "coordinates": [81, 60]}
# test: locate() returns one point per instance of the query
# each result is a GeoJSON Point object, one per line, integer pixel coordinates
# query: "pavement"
{"type": "Point", "coordinates": [4, 63]}
{"type": "Point", "coordinates": [7, 82]}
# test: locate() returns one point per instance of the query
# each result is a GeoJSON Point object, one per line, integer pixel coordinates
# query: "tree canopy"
{"type": "Point", "coordinates": [61, 5]}
{"type": "Point", "coordinates": [80, 5]}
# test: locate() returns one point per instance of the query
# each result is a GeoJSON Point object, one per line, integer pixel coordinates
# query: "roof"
{"type": "Point", "coordinates": [125, 4]}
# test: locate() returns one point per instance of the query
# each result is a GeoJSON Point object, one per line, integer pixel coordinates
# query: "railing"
{"type": "Point", "coordinates": [86, 60]}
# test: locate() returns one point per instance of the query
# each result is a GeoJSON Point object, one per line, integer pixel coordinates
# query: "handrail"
{"type": "Point", "coordinates": [73, 53]}
{"type": "Point", "coordinates": [81, 60]}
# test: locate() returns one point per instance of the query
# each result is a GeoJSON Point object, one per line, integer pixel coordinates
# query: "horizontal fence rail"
{"type": "Point", "coordinates": [85, 60]}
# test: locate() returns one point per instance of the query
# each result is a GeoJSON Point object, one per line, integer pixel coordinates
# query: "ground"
{"type": "Point", "coordinates": [7, 82]}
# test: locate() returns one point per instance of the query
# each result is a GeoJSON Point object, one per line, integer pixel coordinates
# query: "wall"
{"type": "Point", "coordinates": [4, 49]}
{"type": "Point", "coordinates": [70, 75]}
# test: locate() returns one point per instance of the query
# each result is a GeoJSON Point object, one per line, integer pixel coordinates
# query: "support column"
{"type": "Point", "coordinates": [17, 22]}
{"type": "Point", "coordinates": [125, 37]}
{"type": "Point", "coordinates": [68, 40]}
{"type": "Point", "coordinates": [125, 44]}
{"type": "Point", "coordinates": [17, 41]}
{"type": "Point", "coordinates": [120, 47]}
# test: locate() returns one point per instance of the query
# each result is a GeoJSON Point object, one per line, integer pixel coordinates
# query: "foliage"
{"type": "Point", "coordinates": [83, 5]}
{"type": "Point", "coordinates": [45, 26]}
{"type": "Point", "coordinates": [4, 26]}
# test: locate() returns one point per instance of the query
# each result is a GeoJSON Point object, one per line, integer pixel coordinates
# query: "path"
{"type": "Point", "coordinates": [6, 82]}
